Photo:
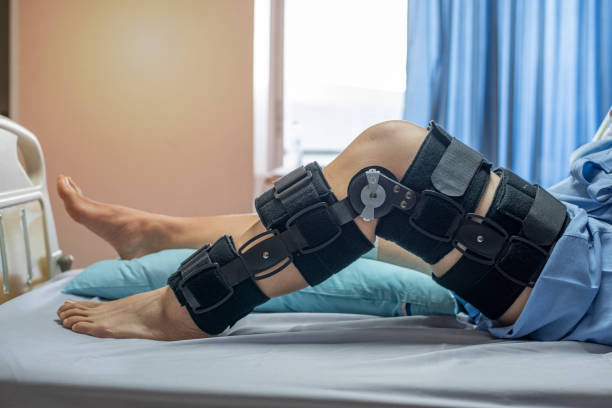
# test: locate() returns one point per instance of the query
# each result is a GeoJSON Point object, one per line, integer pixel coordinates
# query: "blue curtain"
{"type": "Point", "coordinates": [525, 82]}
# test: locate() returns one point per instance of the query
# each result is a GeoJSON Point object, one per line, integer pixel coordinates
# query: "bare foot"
{"type": "Point", "coordinates": [155, 315]}
{"type": "Point", "coordinates": [131, 232]}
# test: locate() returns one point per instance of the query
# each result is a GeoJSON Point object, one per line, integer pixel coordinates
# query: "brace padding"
{"type": "Point", "coordinates": [301, 200]}
{"type": "Point", "coordinates": [526, 212]}
{"type": "Point", "coordinates": [207, 288]}
{"type": "Point", "coordinates": [442, 165]}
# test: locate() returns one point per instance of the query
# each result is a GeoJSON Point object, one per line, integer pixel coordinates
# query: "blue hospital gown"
{"type": "Point", "coordinates": [572, 299]}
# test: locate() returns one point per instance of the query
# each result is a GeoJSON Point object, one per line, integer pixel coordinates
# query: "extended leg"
{"type": "Point", "coordinates": [134, 233]}
{"type": "Point", "coordinates": [392, 145]}
{"type": "Point", "coordinates": [127, 317]}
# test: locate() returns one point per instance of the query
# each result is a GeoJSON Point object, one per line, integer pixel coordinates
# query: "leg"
{"type": "Point", "coordinates": [391, 144]}
{"type": "Point", "coordinates": [134, 233]}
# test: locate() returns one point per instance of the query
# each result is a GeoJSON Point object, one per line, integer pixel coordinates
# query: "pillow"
{"type": "Point", "coordinates": [118, 278]}
{"type": "Point", "coordinates": [367, 286]}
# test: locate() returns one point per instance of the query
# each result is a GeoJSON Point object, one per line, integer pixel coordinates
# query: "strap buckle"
{"type": "Point", "coordinates": [534, 276]}
{"type": "Point", "coordinates": [428, 196]}
{"type": "Point", "coordinates": [480, 239]}
{"type": "Point", "coordinates": [293, 220]}
{"type": "Point", "coordinates": [292, 182]}
{"type": "Point", "coordinates": [191, 257]}
{"type": "Point", "coordinates": [265, 254]}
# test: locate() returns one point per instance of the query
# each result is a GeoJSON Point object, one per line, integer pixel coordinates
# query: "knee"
{"type": "Point", "coordinates": [391, 130]}
{"type": "Point", "coordinates": [392, 144]}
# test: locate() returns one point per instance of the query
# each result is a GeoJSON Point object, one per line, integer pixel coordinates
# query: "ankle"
{"type": "Point", "coordinates": [179, 322]}
{"type": "Point", "coordinates": [158, 229]}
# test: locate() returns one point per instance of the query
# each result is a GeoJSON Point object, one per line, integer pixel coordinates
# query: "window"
{"type": "Point", "coordinates": [344, 70]}
{"type": "Point", "coordinates": [324, 71]}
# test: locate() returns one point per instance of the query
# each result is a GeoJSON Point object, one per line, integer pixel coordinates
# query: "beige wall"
{"type": "Point", "coordinates": [4, 56]}
{"type": "Point", "coordinates": [146, 103]}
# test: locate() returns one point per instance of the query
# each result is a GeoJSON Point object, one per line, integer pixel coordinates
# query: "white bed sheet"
{"type": "Point", "coordinates": [291, 360]}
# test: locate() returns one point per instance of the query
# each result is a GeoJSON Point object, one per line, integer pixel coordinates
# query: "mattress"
{"type": "Point", "coordinates": [291, 360]}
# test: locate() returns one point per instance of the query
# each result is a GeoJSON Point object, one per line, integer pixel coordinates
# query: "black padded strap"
{"type": "Point", "coordinates": [306, 224]}
{"type": "Point", "coordinates": [434, 170]}
{"type": "Point", "coordinates": [292, 193]}
{"type": "Point", "coordinates": [456, 169]}
{"type": "Point", "coordinates": [296, 190]}
{"type": "Point", "coordinates": [544, 219]}
{"type": "Point", "coordinates": [436, 216]}
{"type": "Point", "coordinates": [210, 284]}
{"type": "Point", "coordinates": [302, 202]}
{"type": "Point", "coordinates": [491, 280]}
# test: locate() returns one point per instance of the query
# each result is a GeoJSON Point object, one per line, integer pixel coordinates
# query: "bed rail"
{"type": "Point", "coordinates": [29, 249]}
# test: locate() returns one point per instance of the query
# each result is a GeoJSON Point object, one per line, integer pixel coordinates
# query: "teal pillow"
{"type": "Point", "coordinates": [367, 286]}
{"type": "Point", "coordinates": [118, 278]}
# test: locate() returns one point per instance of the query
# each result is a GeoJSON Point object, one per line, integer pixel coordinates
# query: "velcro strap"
{"type": "Point", "coordinates": [316, 225]}
{"type": "Point", "coordinates": [206, 289]}
{"type": "Point", "coordinates": [522, 261]}
{"type": "Point", "coordinates": [513, 200]}
{"type": "Point", "coordinates": [292, 193]}
{"type": "Point", "coordinates": [545, 218]}
{"type": "Point", "coordinates": [213, 284]}
{"type": "Point", "coordinates": [206, 284]}
{"type": "Point", "coordinates": [296, 190]}
{"type": "Point", "coordinates": [456, 169]}
{"type": "Point", "coordinates": [533, 220]}
{"type": "Point", "coordinates": [436, 216]}
{"type": "Point", "coordinates": [316, 228]}
{"type": "Point", "coordinates": [434, 168]}
{"type": "Point", "coordinates": [294, 179]}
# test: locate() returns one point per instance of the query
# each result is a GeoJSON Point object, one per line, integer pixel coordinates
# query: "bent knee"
{"type": "Point", "coordinates": [392, 129]}
{"type": "Point", "coordinates": [392, 144]}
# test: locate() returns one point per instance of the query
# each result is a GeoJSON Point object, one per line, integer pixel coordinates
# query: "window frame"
{"type": "Point", "coordinates": [268, 97]}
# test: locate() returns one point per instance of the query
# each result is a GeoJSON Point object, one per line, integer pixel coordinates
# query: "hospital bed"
{"type": "Point", "coordinates": [266, 360]}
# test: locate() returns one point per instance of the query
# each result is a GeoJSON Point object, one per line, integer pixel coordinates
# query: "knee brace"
{"type": "Point", "coordinates": [520, 229]}
{"type": "Point", "coordinates": [306, 225]}
{"type": "Point", "coordinates": [430, 212]}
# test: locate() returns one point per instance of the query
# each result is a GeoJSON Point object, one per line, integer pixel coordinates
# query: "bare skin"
{"type": "Point", "coordinates": [158, 315]}
{"type": "Point", "coordinates": [134, 233]}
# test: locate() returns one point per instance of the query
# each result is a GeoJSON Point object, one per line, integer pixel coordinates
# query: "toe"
{"type": "Point", "coordinates": [67, 305]}
{"type": "Point", "coordinates": [64, 188]}
{"type": "Point", "coordinates": [82, 327]}
{"type": "Point", "coordinates": [74, 186]}
{"type": "Point", "coordinates": [77, 205]}
{"type": "Point", "coordinates": [73, 312]}
{"type": "Point", "coordinates": [90, 328]}
{"type": "Point", "coordinates": [71, 321]}
{"type": "Point", "coordinates": [87, 305]}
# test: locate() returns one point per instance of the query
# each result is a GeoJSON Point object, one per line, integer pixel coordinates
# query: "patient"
{"type": "Point", "coordinates": [557, 310]}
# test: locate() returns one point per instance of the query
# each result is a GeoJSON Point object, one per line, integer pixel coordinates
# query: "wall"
{"type": "Point", "coordinates": [4, 56]}
{"type": "Point", "coordinates": [145, 103]}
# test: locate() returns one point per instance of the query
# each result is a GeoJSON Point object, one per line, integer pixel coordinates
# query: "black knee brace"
{"type": "Point", "coordinates": [527, 221]}
{"type": "Point", "coordinates": [448, 177]}
{"type": "Point", "coordinates": [430, 212]}
{"type": "Point", "coordinates": [305, 224]}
